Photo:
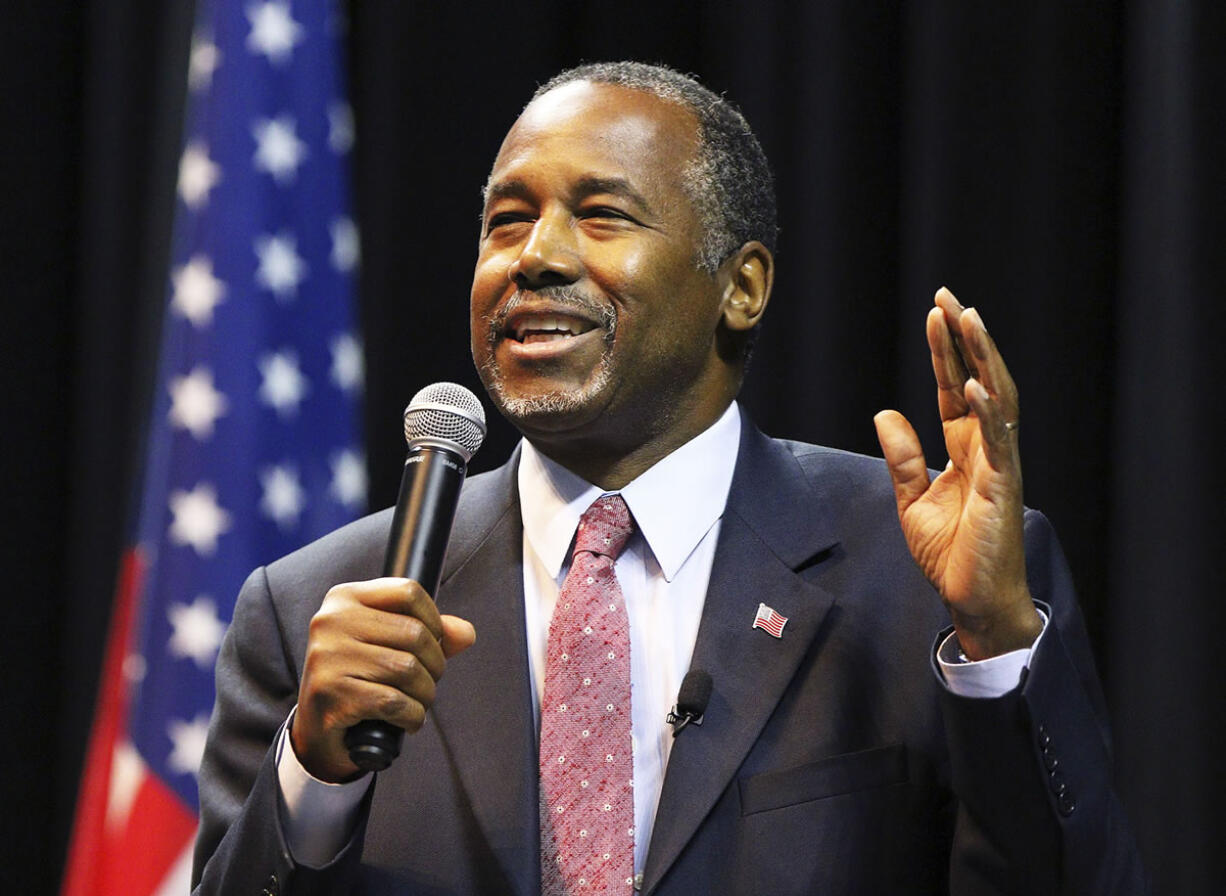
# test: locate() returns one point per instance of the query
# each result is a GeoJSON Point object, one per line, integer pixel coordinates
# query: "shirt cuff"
{"type": "Point", "coordinates": [993, 677]}
{"type": "Point", "coordinates": [318, 816]}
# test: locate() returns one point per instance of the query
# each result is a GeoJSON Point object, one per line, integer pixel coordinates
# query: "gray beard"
{"type": "Point", "coordinates": [563, 401]}
{"type": "Point", "coordinates": [560, 402]}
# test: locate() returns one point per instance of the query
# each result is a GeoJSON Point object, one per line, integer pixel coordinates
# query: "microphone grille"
{"type": "Point", "coordinates": [446, 412]}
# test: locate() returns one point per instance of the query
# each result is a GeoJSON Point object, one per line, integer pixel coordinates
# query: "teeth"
{"type": "Point", "coordinates": [545, 324]}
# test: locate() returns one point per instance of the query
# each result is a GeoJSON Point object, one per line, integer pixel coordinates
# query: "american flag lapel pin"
{"type": "Point", "coordinates": [769, 621]}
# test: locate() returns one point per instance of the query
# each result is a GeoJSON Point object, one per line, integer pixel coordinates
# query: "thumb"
{"type": "Point", "coordinates": [458, 635]}
{"type": "Point", "coordinates": [904, 456]}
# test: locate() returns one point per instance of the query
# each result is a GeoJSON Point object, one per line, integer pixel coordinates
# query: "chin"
{"type": "Point", "coordinates": [548, 410]}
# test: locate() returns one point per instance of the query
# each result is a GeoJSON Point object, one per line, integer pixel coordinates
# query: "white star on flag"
{"type": "Point", "coordinates": [198, 519]}
{"type": "Point", "coordinates": [273, 31]}
{"type": "Point", "coordinates": [188, 739]}
{"type": "Point", "coordinates": [340, 128]}
{"type": "Point", "coordinates": [194, 404]}
{"type": "Point", "coordinates": [348, 479]}
{"type": "Point", "coordinates": [197, 175]}
{"type": "Point", "coordinates": [278, 149]}
{"type": "Point", "coordinates": [204, 59]}
{"type": "Point", "coordinates": [284, 496]}
{"type": "Point", "coordinates": [284, 386]}
{"type": "Point", "coordinates": [281, 267]}
{"type": "Point", "coordinates": [197, 630]}
{"type": "Point", "coordinates": [346, 246]}
{"type": "Point", "coordinates": [196, 291]}
{"type": "Point", "coordinates": [347, 363]}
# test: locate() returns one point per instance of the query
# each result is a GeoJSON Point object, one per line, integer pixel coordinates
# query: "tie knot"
{"type": "Point", "coordinates": [605, 527]}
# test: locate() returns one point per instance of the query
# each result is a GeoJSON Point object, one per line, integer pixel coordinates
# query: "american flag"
{"type": "Point", "coordinates": [769, 620]}
{"type": "Point", "coordinates": [253, 448]}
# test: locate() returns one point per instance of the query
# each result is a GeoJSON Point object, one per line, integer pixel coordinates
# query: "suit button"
{"type": "Point", "coordinates": [271, 887]}
{"type": "Point", "coordinates": [1066, 804]}
{"type": "Point", "coordinates": [1044, 738]}
{"type": "Point", "coordinates": [1058, 786]}
{"type": "Point", "coordinates": [1051, 762]}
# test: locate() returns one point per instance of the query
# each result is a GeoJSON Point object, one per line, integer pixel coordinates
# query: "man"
{"type": "Point", "coordinates": [625, 262]}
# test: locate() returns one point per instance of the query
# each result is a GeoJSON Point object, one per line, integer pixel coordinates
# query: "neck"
{"type": "Point", "coordinates": [612, 466]}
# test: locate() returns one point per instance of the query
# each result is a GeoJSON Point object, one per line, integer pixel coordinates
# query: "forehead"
{"type": "Point", "coordinates": [599, 130]}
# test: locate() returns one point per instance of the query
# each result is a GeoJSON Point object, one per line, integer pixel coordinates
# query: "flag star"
{"type": "Point", "coordinates": [273, 30]}
{"type": "Point", "coordinates": [346, 246]}
{"type": "Point", "coordinates": [197, 175]}
{"type": "Point", "coordinates": [278, 149]}
{"type": "Point", "coordinates": [340, 127]}
{"type": "Point", "coordinates": [204, 59]}
{"type": "Point", "coordinates": [284, 496]}
{"type": "Point", "coordinates": [281, 268]}
{"type": "Point", "coordinates": [347, 363]}
{"type": "Point", "coordinates": [198, 519]}
{"type": "Point", "coordinates": [188, 739]}
{"type": "Point", "coordinates": [194, 404]}
{"type": "Point", "coordinates": [348, 478]}
{"type": "Point", "coordinates": [196, 291]}
{"type": "Point", "coordinates": [197, 630]}
{"type": "Point", "coordinates": [284, 386]}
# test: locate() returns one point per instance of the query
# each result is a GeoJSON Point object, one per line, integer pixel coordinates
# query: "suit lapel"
{"type": "Point", "coordinates": [763, 540]}
{"type": "Point", "coordinates": [483, 710]}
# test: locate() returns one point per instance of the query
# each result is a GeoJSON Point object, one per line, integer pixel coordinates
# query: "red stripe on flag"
{"type": "Point", "coordinates": [134, 858]}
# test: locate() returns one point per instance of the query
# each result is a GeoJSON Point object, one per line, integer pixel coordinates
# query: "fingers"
{"type": "Point", "coordinates": [401, 596]}
{"type": "Point", "coordinates": [967, 363]}
{"type": "Point", "coordinates": [947, 366]}
{"type": "Point", "coordinates": [392, 613]}
{"type": "Point", "coordinates": [375, 650]}
{"type": "Point", "coordinates": [904, 456]}
{"type": "Point", "coordinates": [998, 438]}
{"type": "Point", "coordinates": [992, 372]}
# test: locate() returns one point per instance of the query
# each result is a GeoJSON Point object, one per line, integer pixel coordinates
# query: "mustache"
{"type": "Point", "coordinates": [565, 298]}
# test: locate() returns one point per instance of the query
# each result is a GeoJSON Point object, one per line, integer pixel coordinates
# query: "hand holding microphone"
{"type": "Point", "coordinates": [377, 648]}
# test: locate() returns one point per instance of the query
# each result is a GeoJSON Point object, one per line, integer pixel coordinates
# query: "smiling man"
{"type": "Point", "coordinates": [645, 528]}
{"type": "Point", "coordinates": [599, 328]}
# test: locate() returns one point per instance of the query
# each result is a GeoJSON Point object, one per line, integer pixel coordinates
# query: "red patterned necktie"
{"type": "Point", "coordinates": [587, 766]}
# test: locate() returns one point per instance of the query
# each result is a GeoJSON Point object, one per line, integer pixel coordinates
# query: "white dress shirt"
{"type": "Point", "coordinates": [663, 572]}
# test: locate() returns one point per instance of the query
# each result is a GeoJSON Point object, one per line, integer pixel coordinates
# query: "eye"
{"type": "Point", "coordinates": [504, 219]}
{"type": "Point", "coordinates": [604, 211]}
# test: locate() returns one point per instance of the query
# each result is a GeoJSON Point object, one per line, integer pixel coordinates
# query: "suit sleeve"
{"type": "Point", "coordinates": [240, 847]}
{"type": "Point", "coordinates": [1032, 769]}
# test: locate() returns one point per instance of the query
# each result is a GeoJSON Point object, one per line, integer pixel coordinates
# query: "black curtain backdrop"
{"type": "Point", "coordinates": [1057, 165]}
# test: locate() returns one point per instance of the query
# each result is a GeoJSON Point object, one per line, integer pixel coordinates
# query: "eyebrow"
{"type": "Point", "coordinates": [591, 185]}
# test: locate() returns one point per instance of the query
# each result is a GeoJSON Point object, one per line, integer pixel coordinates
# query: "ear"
{"type": "Point", "coordinates": [748, 274]}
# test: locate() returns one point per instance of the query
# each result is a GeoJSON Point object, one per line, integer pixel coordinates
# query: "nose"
{"type": "Point", "coordinates": [549, 257]}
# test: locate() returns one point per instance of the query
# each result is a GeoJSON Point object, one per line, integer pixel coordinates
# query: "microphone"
{"type": "Point", "coordinates": [692, 700]}
{"type": "Point", "coordinates": [444, 425]}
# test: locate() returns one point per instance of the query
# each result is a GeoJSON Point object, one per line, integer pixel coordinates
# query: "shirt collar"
{"type": "Point", "coordinates": [674, 503]}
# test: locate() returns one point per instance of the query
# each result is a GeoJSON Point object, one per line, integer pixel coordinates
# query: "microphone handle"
{"type": "Point", "coordinates": [416, 548]}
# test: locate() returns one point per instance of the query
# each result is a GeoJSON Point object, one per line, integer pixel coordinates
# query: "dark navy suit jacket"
{"type": "Point", "coordinates": [830, 761]}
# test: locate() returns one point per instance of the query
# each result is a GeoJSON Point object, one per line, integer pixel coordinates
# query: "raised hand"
{"type": "Point", "coordinates": [964, 528]}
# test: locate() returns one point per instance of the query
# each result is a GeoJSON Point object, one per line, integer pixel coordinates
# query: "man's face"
{"type": "Point", "coordinates": [590, 317]}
